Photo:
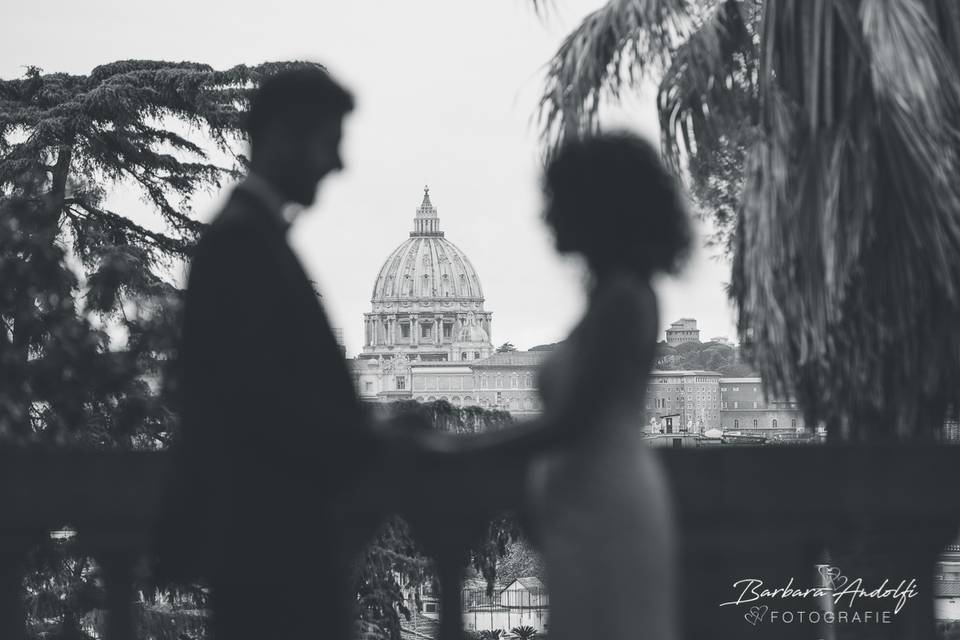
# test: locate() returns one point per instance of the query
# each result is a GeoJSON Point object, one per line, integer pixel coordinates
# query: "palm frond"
{"type": "Point", "coordinates": [613, 47]}
{"type": "Point", "coordinates": [847, 269]}
{"type": "Point", "coordinates": [710, 85]}
{"type": "Point", "coordinates": [708, 108]}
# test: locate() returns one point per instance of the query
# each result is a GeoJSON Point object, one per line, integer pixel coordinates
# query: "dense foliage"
{"type": "Point", "coordinates": [822, 137]}
{"type": "Point", "coordinates": [702, 356]}
{"type": "Point", "coordinates": [89, 306]}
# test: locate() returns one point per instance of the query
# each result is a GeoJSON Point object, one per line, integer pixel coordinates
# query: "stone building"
{"type": "Point", "coordinates": [744, 408]}
{"type": "Point", "coordinates": [683, 330]}
{"type": "Point", "coordinates": [509, 381]}
{"type": "Point", "coordinates": [682, 401]}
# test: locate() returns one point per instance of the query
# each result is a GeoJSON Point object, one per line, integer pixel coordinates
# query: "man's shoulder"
{"type": "Point", "coordinates": [238, 215]}
{"type": "Point", "coordinates": [236, 224]}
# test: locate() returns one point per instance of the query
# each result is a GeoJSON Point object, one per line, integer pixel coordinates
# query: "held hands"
{"type": "Point", "coordinates": [411, 436]}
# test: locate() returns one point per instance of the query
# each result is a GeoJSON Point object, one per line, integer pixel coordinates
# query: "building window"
{"type": "Point", "coordinates": [425, 330]}
{"type": "Point", "coordinates": [368, 386]}
{"type": "Point", "coordinates": [447, 329]}
{"type": "Point", "coordinates": [401, 383]}
{"type": "Point", "coordinates": [430, 607]}
{"type": "Point", "coordinates": [499, 397]}
{"type": "Point", "coordinates": [793, 423]}
{"type": "Point", "coordinates": [736, 405]}
{"type": "Point", "coordinates": [476, 355]}
{"type": "Point", "coordinates": [404, 329]}
{"type": "Point", "coordinates": [755, 424]}
{"type": "Point", "coordinates": [463, 356]}
{"type": "Point", "coordinates": [736, 424]}
{"type": "Point", "coordinates": [774, 423]}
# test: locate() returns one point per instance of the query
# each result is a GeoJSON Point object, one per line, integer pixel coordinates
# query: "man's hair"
{"type": "Point", "coordinates": [303, 97]}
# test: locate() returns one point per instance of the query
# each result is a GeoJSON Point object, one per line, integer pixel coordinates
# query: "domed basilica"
{"type": "Point", "coordinates": [427, 300]}
{"type": "Point", "coordinates": [427, 336]}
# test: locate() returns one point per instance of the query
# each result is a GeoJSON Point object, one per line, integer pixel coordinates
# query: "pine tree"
{"type": "Point", "coordinates": [72, 268]}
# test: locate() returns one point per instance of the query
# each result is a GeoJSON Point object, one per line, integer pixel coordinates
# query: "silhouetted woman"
{"type": "Point", "coordinates": [598, 503]}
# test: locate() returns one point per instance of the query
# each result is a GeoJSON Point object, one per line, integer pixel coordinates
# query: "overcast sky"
{"type": "Point", "coordinates": [445, 90]}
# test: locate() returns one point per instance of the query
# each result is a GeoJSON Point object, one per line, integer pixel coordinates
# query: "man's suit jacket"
{"type": "Point", "coordinates": [272, 429]}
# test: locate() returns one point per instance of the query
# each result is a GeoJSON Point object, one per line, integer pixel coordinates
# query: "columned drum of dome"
{"type": "Point", "coordinates": [427, 302]}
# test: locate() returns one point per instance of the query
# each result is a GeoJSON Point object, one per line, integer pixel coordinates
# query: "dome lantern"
{"type": "Point", "coordinates": [426, 222]}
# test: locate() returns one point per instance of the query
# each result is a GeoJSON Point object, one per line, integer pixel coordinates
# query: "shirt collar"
{"type": "Point", "coordinates": [284, 212]}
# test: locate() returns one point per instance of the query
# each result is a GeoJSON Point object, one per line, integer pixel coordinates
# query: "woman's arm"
{"type": "Point", "coordinates": [617, 337]}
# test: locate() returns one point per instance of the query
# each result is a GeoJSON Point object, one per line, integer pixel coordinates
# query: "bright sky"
{"type": "Point", "coordinates": [446, 92]}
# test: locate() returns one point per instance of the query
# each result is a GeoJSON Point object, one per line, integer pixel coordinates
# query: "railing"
{"type": "Point", "coordinates": [766, 513]}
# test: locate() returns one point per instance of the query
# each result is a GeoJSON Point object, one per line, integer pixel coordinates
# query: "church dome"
{"type": "Point", "coordinates": [427, 265]}
{"type": "Point", "coordinates": [473, 334]}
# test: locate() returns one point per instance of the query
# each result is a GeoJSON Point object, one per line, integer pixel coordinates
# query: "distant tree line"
{"type": "Point", "coordinates": [703, 356]}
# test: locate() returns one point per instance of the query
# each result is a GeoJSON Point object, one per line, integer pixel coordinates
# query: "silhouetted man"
{"type": "Point", "coordinates": [272, 432]}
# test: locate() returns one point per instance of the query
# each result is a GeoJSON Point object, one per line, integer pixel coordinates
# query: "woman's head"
{"type": "Point", "coordinates": [610, 198]}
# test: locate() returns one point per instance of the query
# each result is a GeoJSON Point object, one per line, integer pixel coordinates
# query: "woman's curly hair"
{"type": "Point", "coordinates": [618, 204]}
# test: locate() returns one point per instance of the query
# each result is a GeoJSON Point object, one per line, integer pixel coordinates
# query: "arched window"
{"type": "Point", "coordinates": [476, 354]}
{"type": "Point", "coordinates": [463, 356]}
{"type": "Point", "coordinates": [774, 423]}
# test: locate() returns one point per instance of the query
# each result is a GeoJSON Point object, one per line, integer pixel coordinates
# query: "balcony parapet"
{"type": "Point", "coordinates": [768, 512]}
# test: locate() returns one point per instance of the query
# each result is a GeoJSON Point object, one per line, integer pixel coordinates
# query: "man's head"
{"type": "Point", "coordinates": [295, 124]}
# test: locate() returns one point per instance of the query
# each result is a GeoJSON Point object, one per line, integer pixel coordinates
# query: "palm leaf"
{"type": "Point", "coordinates": [708, 108]}
{"type": "Point", "coordinates": [848, 257]}
{"type": "Point", "coordinates": [612, 48]}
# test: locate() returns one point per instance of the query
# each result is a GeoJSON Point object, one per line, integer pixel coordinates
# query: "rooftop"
{"type": "Point", "coordinates": [512, 359]}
